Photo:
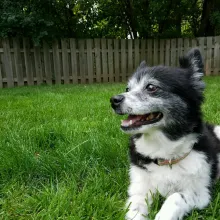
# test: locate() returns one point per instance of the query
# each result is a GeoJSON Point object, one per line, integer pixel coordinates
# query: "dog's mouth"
{"type": "Point", "coordinates": [134, 121]}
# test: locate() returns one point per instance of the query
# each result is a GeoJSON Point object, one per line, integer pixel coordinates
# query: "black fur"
{"type": "Point", "coordinates": [209, 144]}
{"type": "Point", "coordinates": [135, 157]}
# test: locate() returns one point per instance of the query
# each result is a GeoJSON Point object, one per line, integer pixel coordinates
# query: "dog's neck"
{"type": "Point", "coordinates": [157, 145]}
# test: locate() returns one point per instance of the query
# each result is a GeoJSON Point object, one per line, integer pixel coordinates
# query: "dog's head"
{"type": "Point", "coordinates": [164, 98]}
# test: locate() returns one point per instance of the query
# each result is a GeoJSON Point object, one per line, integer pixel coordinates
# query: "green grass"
{"type": "Point", "coordinates": [63, 155]}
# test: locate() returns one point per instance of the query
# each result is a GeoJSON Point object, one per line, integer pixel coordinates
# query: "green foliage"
{"type": "Point", "coordinates": [49, 19]}
{"type": "Point", "coordinates": [215, 20]}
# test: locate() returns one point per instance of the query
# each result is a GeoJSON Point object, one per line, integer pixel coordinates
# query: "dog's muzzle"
{"type": "Point", "coordinates": [116, 102]}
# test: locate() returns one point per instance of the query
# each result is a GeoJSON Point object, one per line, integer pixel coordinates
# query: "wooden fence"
{"type": "Point", "coordinates": [94, 60]}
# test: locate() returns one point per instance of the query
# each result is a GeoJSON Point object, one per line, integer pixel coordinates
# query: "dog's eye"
{"type": "Point", "coordinates": [127, 89]}
{"type": "Point", "coordinates": [151, 88]}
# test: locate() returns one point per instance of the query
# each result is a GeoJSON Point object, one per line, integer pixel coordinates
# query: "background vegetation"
{"type": "Point", "coordinates": [40, 19]}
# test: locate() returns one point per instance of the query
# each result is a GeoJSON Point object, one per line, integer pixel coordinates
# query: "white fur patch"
{"type": "Point", "coordinates": [138, 191]}
{"type": "Point", "coordinates": [217, 131]}
{"type": "Point", "coordinates": [186, 184]}
{"type": "Point", "coordinates": [157, 145]}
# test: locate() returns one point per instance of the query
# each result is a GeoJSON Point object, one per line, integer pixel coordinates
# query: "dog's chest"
{"type": "Point", "coordinates": [169, 180]}
{"type": "Point", "coordinates": [182, 176]}
{"type": "Point", "coordinates": [191, 172]}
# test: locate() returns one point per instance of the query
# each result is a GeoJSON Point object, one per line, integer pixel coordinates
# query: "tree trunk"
{"type": "Point", "coordinates": [206, 28]}
{"type": "Point", "coordinates": [131, 18]}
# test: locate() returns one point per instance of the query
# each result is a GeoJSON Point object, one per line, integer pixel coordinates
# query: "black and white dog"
{"type": "Point", "coordinates": [172, 151]}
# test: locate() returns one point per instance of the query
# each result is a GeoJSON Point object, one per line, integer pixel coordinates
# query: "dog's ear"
{"type": "Point", "coordinates": [193, 60]}
{"type": "Point", "coordinates": [142, 65]}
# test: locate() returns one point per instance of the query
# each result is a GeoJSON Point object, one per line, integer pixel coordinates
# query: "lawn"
{"type": "Point", "coordinates": [63, 155]}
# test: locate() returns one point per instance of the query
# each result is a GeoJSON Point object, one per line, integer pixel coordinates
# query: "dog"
{"type": "Point", "coordinates": [172, 151]}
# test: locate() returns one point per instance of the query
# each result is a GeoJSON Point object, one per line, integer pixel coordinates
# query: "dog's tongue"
{"type": "Point", "coordinates": [131, 120]}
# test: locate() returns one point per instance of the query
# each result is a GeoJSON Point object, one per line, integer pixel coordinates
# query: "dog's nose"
{"type": "Point", "coordinates": [117, 100]}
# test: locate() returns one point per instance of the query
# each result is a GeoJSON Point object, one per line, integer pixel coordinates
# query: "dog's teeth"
{"type": "Point", "coordinates": [151, 116]}
{"type": "Point", "coordinates": [158, 116]}
{"type": "Point", "coordinates": [130, 122]}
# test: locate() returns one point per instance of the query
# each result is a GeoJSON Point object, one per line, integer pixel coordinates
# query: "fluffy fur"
{"type": "Point", "coordinates": [177, 95]}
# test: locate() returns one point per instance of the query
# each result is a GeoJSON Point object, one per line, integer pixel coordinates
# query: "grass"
{"type": "Point", "coordinates": [64, 157]}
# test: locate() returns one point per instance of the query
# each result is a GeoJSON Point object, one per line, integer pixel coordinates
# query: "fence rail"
{"type": "Point", "coordinates": [80, 61]}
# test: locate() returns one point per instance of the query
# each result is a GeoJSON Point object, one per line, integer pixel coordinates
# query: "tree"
{"type": "Point", "coordinates": [49, 19]}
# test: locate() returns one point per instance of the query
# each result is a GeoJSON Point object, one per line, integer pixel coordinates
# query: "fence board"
{"type": "Point", "coordinates": [27, 59]}
{"type": "Point", "coordinates": [18, 62]}
{"type": "Point", "coordinates": [56, 62]}
{"type": "Point", "coordinates": [104, 61]}
{"type": "Point", "coordinates": [162, 43]}
{"type": "Point", "coordinates": [209, 56]}
{"type": "Point", "coordinates": [98, 66]}
{"type": "Point", "coordinates": [186, 45]}
{"type": "Point", "coordinates": [136, 53]}
{"type": "Point", "coordinates": [110, 60]}
{"type": "Point", "coordinates": [73, 60]}
{"type": "Point", "coordinates": [47, 67]}
{"type": "Point", "coordinates": [216, 55]}
{"type": "Point", "coordinates": [130, 57]}
{"type": "Point", "coordinates": [173, 55]}
{"type": "Point", "coordinates": [82, 61]}
{"type": "Point", "coordinates": [65, 61]}
{"type": "Point", "coordinates": [167, 55]}
{"type": "Point", "coordinates": [116, 60]}
{"type": "Point", "coordinates": [155, 52]}
{"type": "Point", "coordinates": [194, 42]}
{"type": "Point", "coordinates": [7, 63]}
{"type": "Point", "coordinates": [149, 52]}
{"type": "Point", "coordinates": [89, 60]}
{"type": "Point", "coordinates": [38, 65]}
{"type": "Point", "coordinates": [143, 50]}
{"type": "Point", "coordinates": [202, 49]}
{"type": "Point", "coordinates": [123, 60]}
{"type": "Point", "coordinates": [179, 48]}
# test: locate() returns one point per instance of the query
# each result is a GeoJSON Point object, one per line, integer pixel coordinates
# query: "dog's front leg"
{"type": "Point", "coordinates": [177, 205]}
{"type": "Point", "coordinates": [140, 194]}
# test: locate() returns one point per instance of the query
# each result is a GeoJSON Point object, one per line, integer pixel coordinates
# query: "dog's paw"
{"type": "Point", "coordinates": [135, 215]}
{"type": "Point", "coordinates": [168, 215]}
{"type": "Point", "coordinates": [160, 216]}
